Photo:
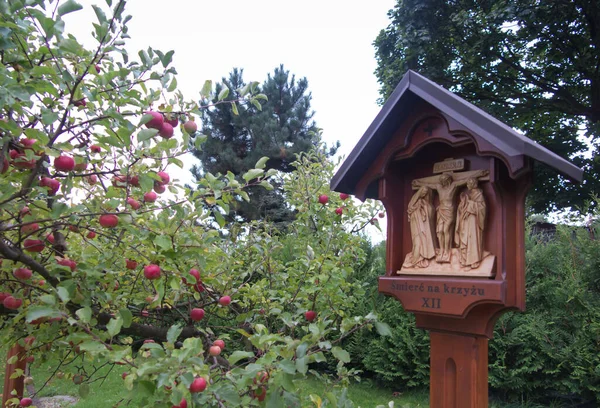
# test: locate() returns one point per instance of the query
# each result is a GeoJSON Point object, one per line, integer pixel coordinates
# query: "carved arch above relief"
{"type": "Point", "coordinates": [433, 126]}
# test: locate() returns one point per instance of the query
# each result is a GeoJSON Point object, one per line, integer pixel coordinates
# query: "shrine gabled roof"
{"type": "Point", "coordinates": [413, 87]}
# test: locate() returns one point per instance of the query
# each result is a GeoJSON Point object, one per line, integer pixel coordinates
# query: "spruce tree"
{"type": "Point", "coordinates": [279, 128]}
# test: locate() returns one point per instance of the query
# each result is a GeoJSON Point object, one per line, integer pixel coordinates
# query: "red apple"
{"type": "Point", "coordinates": [64, 163]}
{"type": "Point", "coordinates": [73, 228]}
{"type": "Point", "coordinates": [173, 121]}
{"type": "Point", "coordinates": [214, 350]}
{"type": "Point", "coordinates": [81, 166]}
{"type": "Point", "coordinates": [25, 211]}
{"type": "Point", "coordinates": [129, 264]}
{"type": "Point", "coordinates": [30, 228]}
{"type": "Point", "coordinates": [199, 287]}
{"type": "Point", "coordinates": [198, 385]}
{"type": "Point", "coordinates": [323, 199]}
{"type": "Point", "coordinates": [133, 203]}
{"type": "Point", "coordinates": [310, 315]}
{"type": "Point", "coordinates": [182, 403]}
{"type": "Point", "coordinates": [26, 143]}
{"type": "Point", "coordinates": [149, 341]}
{"type": "Point", "coordinates": [197, 314]}
{"type": "Point", "coordinates": [157, 120]}
{"type": "Point", "coordinates": [50, 238]}
{"type": "Point", "coordinates": [22, 273]}
{"type": "Point", "coordinates": [219, 343]}
{"type": "Point", "coordinates": [150, 197]}
{"type": "Point", "coordinates": [145, 313]}
{"type": "Point", "coordinates": [159, 188]}
{"type": "Point", "coordinates": [92, 179]}
{"type": "Point", "coordinates": [134, 181]}
{"type": "Point", "coordinates": [67, 262]}
{"type": "Point", "coordinates": [91, 235]}
{"type": "Point", "coordinates": [344, 196]}
{"type": "Point", "coordinates": [120, 181]}
{"type": "Point", "coordinates": [95, 148]}
{"type": "Point", "coordinates": [166, 131]}
{"type": "Point", "coordinates": [33, 245]}
{"type": "Point", "coordinates": [98, 68]}
{"type": "Point", "coordinates": [12, 303]}
{"type": "Point", "coordinates": [381, 215]}
{"type": "Point", "coordinates": [164, 177]}
{"type": "Point", "coordinates": [79, 102]}
{"type": "Point", "coordinates": [190, 127]}
{"type": "Point", "coordinates": [225, 301]}
{"type": "Point", "coordinates": [152, 271]}
{"type": "Point", "coordinates": [261, 378]}
{"type": "Point", "coordinates": [52, 184]}
{"type": "Point", "coordinates": [25, 402]}
{"type": "Point", "coordinates": [108, 220]}
{"type": "Point", "coordinates": [260, 394]}
{"type": "Point", "coordinates": [339, 210]}
{"type": "Point", "coordinates": [196, 274]}
{"type": "Point", "coordinates": [124, 375]}
{"type": "Point", "coordinates": [3, 295]}
{"type": "Point", "coordinates": [29, 340]}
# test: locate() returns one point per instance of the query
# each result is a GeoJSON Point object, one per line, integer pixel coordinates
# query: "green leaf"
{"type": "Point", "coordinates": [341, 354]}
{"type": "Point", "coordinates": [234, 108]}
{"type": "Point", "coordinates": [301, 365]}
{"type": "Point", "coordinates": [84, 390]}
{"type": "Point", "coordinates": [49, 117]}
{"type": "Point", "coordinates": [173, 333]}
{"type": "Point", "coordinates": [84, 314]}
{"type": "Point", "coordinates": [114, 326]}
{"type": "Point", "coordinates": [223, 94]}
{"type": "Point", "coordinates": [260, 164]}
{"type": "Point", "coordinates": [163, 242]}
{"type": "Point", "coordinates": [288, 366]}
{"type": "Point", "coordinates": [219, 218]}
{"type": "Point", "coordinates": [252, 174]}
{"type": "Point", "coordinates": [69, 6]}
{"type": "Point", "coordinates": [63, 294]}
{"type": "Point", "coordinates": [239, 355]}
{"type": "Point", "coordinates": [383, 329]}
{"type": "Point", "coordinates": [92, 346]}
{"type": "Point", "coordinates": [126, 316]}
{"type": "Point", "coordinates": [172, 85]}
{"type": "Point", "coordinates": [36, 312]}
{"type": "Point", "coordinates": [206, 89]}
{"type": "Point", "coordinates": [266, 185]}
{"type": "Point", "coordinates": [147, 134]}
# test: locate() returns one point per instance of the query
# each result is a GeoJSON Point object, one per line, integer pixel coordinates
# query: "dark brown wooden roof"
{"type": "Point", "coordinates": [413, 87]}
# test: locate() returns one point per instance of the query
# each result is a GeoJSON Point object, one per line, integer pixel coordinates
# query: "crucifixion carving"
{"type": "Point", "coordinates": [461, 225]}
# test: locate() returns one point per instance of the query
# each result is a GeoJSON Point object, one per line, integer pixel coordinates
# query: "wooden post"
{"type": "Point", "coordinates": [459, 371]}
{"type": "Point", "coordinates": [14, 384]}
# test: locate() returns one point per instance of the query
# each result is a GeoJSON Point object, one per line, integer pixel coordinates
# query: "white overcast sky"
{"type": "Point", "coordinates": [330, 42]}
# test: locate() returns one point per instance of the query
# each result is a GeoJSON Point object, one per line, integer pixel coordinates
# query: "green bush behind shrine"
{"type": "Point", "coordinates": [549, 353]}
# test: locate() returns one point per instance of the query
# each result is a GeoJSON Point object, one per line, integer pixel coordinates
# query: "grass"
{"type": "Point", "coordinates": [108, 390]}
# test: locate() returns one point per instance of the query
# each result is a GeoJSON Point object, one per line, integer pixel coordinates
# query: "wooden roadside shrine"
{"type": "Point", "coordinates": [453, 180]}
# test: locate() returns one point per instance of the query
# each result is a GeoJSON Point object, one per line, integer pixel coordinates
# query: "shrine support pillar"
{"type": "Point", "coordinates": [459, 370]}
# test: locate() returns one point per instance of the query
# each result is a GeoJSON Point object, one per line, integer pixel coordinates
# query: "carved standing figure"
{"type": "Point", "coordinates": [470, 225]}
{"type": "Point", "coordinates": [420, 217]}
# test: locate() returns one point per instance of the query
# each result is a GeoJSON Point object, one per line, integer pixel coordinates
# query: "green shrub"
{"type": "Point", "coordinates": [550, 352]}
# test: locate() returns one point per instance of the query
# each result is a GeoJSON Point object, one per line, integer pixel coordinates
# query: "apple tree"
{"type": "Point", "coordinates": [101, 266]}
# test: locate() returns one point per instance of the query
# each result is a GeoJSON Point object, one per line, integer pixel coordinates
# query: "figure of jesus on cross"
{"type": "Point", "coordinates": [446, 185]}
